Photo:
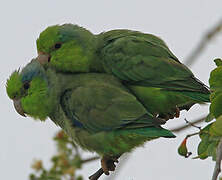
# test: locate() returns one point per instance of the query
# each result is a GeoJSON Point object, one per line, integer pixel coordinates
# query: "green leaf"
{"type": "Point", "coordinates": [216, 128]}
{"type": "Point", "coordinates": [216, 105]}
{"type": "Point", "coordinates": [79, 178]}
{"type": "Point", "coordinates": [218, 62]}
{"type": "Point", "coordinates": [205, 131]}
{"type": "Point", "coordinates": [203, 145]}
{"type": "Point", "coordinates": [211, 150]}
{"type": "Point", "coordinates": [209, 117]}
{"type": "Point", "coordinates": [215, 79]}
{"type": "Point", "coordinates": [202, 156]}
{"type": "Point", "coordinates": [77, 162]}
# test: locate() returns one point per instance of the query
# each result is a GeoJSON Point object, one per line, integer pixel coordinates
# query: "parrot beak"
{"type": "Point", "coordinates": [43, 58]}
{"type": "Point", "coordinates": [18, 107]}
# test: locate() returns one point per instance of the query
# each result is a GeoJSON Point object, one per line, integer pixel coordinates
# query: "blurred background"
{"type": "Point", "coordinates": [181, 24]}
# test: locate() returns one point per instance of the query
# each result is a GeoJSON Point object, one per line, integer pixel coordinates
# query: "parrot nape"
{"type": "Point", "coordinates": [142, 62]}
{"type": "Point", "coordinates": [94, 109]}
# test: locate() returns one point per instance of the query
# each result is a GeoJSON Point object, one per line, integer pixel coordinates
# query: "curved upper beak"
{"type": "Point", "coordinates": [43, 58]}
{"type": "Point", "coordinates": [18, 107]}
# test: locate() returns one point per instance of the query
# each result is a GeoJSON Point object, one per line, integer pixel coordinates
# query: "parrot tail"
{"type": "Point", "coordinates": [197, 96]}
{"type": "Point", "coordinates": [153, 132]}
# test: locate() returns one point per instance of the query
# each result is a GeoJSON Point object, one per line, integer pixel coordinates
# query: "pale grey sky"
{"type": "Point", "coordinates": [180, 23]}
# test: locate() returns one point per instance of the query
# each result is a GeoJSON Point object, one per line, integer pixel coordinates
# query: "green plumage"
{"type": "Point", "coordinates": [142, 62]}
{"type": "Point", "coordinates": [95, 109]}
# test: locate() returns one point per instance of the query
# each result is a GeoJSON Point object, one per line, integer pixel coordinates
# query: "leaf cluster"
{"type": "Point", "coordinates": [212, 133]}
{"type": "Point", "coordinates": [209, 142]}
{"type": "Point", "coordinates": [64, 163]}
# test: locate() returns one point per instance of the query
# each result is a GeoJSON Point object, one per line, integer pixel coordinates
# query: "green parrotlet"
{"type": "Point", "coordinates": [142, 62]}
{"type": "Point", "coordinates": [96, 110]}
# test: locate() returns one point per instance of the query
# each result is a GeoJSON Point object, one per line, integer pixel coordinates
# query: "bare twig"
{"type": "Point", "coordinates": [192, 124]}
{"type": "Point", "coordinates": [217, 167]}
{"type": "Point", "coordinates": [96, 175]}
{"type": "Point", "coordinates": [193, 134]}
{"type": "Point", "coordinates": [183, 127]}
{"type": "Point", "coordinates": [188, 136]}
{"type": "Point", "coordinates": [99, 173]}
{"type": "Point", "coordinates": [203, 43]}
{"type": "Point", "coordinates": [89, 159]}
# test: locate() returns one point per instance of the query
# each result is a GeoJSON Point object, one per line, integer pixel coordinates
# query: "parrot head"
{"type": "Point", "coordinates": [67, 48]}
{"type": "Point", "coordinates": [29, 91]}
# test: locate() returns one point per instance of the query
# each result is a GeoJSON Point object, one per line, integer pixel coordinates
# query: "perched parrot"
{"type": "Point", "coordinates": [94, 109]}
{"type": "Point", "coordinates": [143, 63]}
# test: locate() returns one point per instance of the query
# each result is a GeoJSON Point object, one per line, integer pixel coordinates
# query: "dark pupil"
{"type": "Point", "coordinates": [58, 45]}
{"type": "Point", "coordinates": [26, 85]}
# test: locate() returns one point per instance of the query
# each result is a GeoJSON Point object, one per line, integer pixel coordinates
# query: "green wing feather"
{"type": "Point", "coordinates": [107, 118]}
{"type": "Point", "coordinates": [113, 35]}
{"type": "Point", "coordinates": [151, 71]}
{"type": "Point", "coordinates": [141, 61]}
{"type": "Point", "coordinates": [104, 107]}
{"type": "Point", "coordinates": [145, 60]}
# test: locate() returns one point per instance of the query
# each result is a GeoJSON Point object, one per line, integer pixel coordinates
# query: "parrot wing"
{"type": "Point", "coordinates": [104, 107]}
{"type": "Point", "coordinates": [145, 60]}
{"type": "Point", "coordinates": [113, 35]}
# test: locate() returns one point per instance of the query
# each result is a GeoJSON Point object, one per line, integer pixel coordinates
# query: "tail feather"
{"type": "Point", "coordinates": [195, 89]}
{"type": "Point", "coordinates": [204, 88]}
{"type": "Point", "coordinates": [199, 97]}
{"type": "Point", "coordinates": [153, 132]}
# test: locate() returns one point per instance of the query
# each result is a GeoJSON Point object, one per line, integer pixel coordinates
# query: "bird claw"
{"type": "Point", "coordinates": [108, 164]}
{"type": "Point", "coordinates": [177, 114]}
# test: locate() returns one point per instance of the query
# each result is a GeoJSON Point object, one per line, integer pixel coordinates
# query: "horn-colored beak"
{"type": "Point", "coordinates": [18, 107]}
{"type": "Point", "coordinates": [43, 58]}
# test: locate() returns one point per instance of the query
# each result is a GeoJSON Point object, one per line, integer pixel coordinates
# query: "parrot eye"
{"type": "Point", "coordinates": [26, 85]}
{"type": "Point", "coordinates": [58, 45]}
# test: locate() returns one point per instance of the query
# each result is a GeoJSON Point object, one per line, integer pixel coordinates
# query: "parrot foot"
{"type": "Point", "coordinates": [177, 114]}
{"type": "Point", "coordinates": [107, 164]}
{"type": "Point", "coordinates": [166, 116]}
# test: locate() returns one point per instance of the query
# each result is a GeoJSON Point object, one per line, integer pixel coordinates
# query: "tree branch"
{"type": "Point", "coordinates": [183, 127]}
{"type": "Point", "coordinates": [99, 173]}
{"type": "Point", "coordinates": [90, 159]}
{"type": "Point", "coordinates": [217, 167]}
{"type": "Point", "coordinates": [96, 175]}
{"type": "Point", "coordinates": [207, 37]}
